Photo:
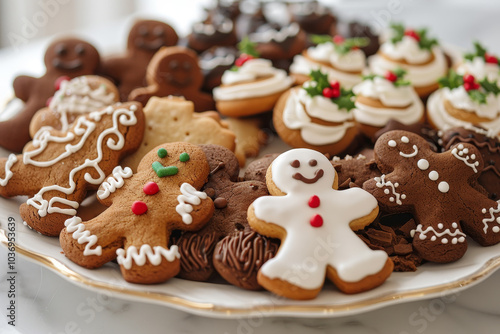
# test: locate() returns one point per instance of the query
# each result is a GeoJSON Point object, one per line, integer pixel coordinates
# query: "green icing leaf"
{"type": "Point", "coordinates": [319, 81]}
{"type": "Point", "coordinates": [320, 39]}
{"type": "Point", "coordinates": [248, 47]}
{"type": "Point", "coordinates": [479, 51]}
{"type": "Point", "coordinates": [351, 43]}
{"type": "Point", "coordinates": [398, 31]}
{"type": "Point", "coordinates": [490, 86]}
{"type": "Point", "coordinates": [478, 96]}
{"type": "Point", "coordinates": [453, 80]}
{"type": "Point", "coordinates": [345, 100]}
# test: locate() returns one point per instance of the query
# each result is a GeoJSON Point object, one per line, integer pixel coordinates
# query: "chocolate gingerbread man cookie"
{"type": "Point", "coordinates": [174, 71]}
{"type": "Point", "coordinates": [68, 57]}
{"type": "Point", "coordinates": [145, 38]}
{"type": "Point", "coordinates": [231, 199]}
{"type": "Point", "coordinates": [437, 189]}
{"type": "Point", "coordinates": [57, 168]}
{"type": "Point", "coordinates": [143, 210]}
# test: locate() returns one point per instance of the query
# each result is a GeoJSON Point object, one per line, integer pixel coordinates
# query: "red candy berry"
{"type": "Point", "coordinates": [314, 201]}
{"type": "Point", "coordinates": [242, 59]}
{"type": "Point", "coordinates": [139, 208]}
{"type": "Point", "coordinates": [316, 221]}
{"type": "Point", "coordinates": [391, 76]}
{"type": "Point", "coordinates": [469, 78]}
{"type": "Point", "coordinates": [337, 39]}
{"type": "Point", "coordinates": [151, 188]}
{"type": "Point", "coordinates": [491, 59]}
{"type": "Point", "coordinates": [335, 85]}
{"type": "Point", "coordinates": [331, 93]}
{"type": "Point", "coordinates": [58, 82]}
{"type": "Point", "coordinates": [413, 34]}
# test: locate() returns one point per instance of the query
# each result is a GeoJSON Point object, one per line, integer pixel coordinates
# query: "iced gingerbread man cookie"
{"type": "Point", "coordinates": [437, 189]}
{"type": "Point", "coordinates": [315, 223]}
{"type": "Point", "coordinates": [143, 210]}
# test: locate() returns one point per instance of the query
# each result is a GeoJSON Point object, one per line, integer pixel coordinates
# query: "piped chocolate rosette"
{"type": "Point", "coordinates": [318, 115]}
{"type": "Point", "coordinates": [480, 63]}
{"type": "Point", "coordinates": [382, 98]}
{"type": "Point", "coordinates": [465, 101]}
{"type": "Point", "coordinates": [342, 59]}
{"type": "Point", "coordinates": [252, 86]}
{"type": "Point", "coordinates": [415, 52]}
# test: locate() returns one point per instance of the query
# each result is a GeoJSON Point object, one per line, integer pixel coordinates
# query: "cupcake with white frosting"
{"type": "Point", "coordinates": [318, 115]}
{"type": "Point", "coordinates": [250, 87]}
{"type": "Point", "coordinates": [341, 59]}
{"type": "Point", "coordinates": [480, 63]}
{"type": "Point", "coordinates": [465, 101]}
{"type": "Point", "coordinates": [412, 50]}
{"type": "Point", "coordinates": [380, 99]}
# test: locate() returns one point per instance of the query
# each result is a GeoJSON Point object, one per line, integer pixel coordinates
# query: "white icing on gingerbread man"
{"type": "Point", "coordinates": [316, 219]}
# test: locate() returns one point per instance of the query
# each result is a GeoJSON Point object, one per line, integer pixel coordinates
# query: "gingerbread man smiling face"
{"type": "Point", "coordinates": [314, 222]}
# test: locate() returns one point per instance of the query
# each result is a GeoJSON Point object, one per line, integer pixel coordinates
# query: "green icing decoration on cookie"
{"type": "Point", "coordinates": [184, 157]}
{"type": "Point", "coordinates": [162, 171]}
{"type": "Point", "coordinates": [162, 153]}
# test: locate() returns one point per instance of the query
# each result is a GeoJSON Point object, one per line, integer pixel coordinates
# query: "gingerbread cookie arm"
{"type": "Point", "coordinates": [23, 85]}
{"type": "Point", "coordinates": [143, 94]}
{"type": "Point", "coordinates": [194, 208]}
{"type": "Point", "coordinates": [13, 177]}
{"type": "Point", "coordinates": [116, 180]}
{"type": "Point", "coordinates": [389, 192]}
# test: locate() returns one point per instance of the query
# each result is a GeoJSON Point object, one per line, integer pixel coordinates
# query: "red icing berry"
{"type": "Point", "coordinates": [314, 201]}
{"type": "Point", "coordinates": [335, 85]}
{"type": "Point", "coordinates": [391, 76]}
{"type": "Point", "coordinates": [48, 101]}
{"type": "Point", "coordinates": [58, 82]}
{"type": "Point", "coordinates": [139, 208]}
{"type": "Point", "coordinates": [471, 86]}
{"type": "Point", "coordinates": [242, 59]}
{"type": "Point", "coordinates": [331, 93]}
{"type": "Point", "coordinates": [151, 188]}
{"type": "Point", "coordinates": [316, 221]}
{"type": "Point", "coordinates": [469, 78]}
{"type": "Point", "coordinates": [337, 39]}
{"type": "Point", "coordinates": [413, 34]}
{"type": "Point", "coordinates": [491, 59]}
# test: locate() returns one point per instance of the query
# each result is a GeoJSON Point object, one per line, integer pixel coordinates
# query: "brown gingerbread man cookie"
{"type": "Point", "coordinates": [145, 38]}
{"type": "Point", "coordinates": [174, 71]}
{"type": "Point", "coordinates": [436, 188]}
{"type": "Point", "coordinates": [74, 98]}
{"type": "Point", "coordinates": [489, 148]}
{"type": "Point", "coordinates": [69, 57]}
{"type": "Point", "coordinates": [143, 210]}
{"type": "Point", "coordinates": [231, 199]}
{"type": "Point", "coordinates": [57, 168]}
{"type": "Point", "coordinates": [354, 171]}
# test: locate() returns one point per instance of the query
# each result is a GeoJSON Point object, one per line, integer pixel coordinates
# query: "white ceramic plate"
{"type": "Point", "coordinates": [223, 300]}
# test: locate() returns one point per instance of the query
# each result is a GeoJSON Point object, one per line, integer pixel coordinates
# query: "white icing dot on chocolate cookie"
{"type": "Point", "coordinates": [454, 225]}
{"type": "Point", "coordinates": [443, 187]}
{"type": "Point", "coordinates": [392, 143]}
{"type": "Point", "coordinates": [440, 226]}
{"type": "Point", "coordinates": [423, 164]}
{"type": "Point", "coordinates": [495, 229]}
{"type": "Point", "coordinates": [433, 175]}
{"type": "Point", "coordinates": [444, 241]}
{"type": "Point", "coordinates": [405, 139]}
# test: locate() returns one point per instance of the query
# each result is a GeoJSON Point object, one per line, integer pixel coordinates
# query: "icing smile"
{"type": "Point", "coordinates": [150, 46]}
{"type": "Point", "coordinates": [72, 65]}
{"type": "Point", "coordinates": [317, 175]}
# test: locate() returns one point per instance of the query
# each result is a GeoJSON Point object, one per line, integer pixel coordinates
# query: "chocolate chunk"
{"type": "Point", "coordinates": [220, 203]}
{"type": "Point", "coordinates": [381, 238]}
{"type": "Point", "coordinates": [403, 249]}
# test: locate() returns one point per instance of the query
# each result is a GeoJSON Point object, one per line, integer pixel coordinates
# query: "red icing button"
{"type": "Point", "coordinates": [139, 208]}
{"type": "Point", "coordinates": [151, 188]}
{"type": "Point", "coordinates": [314, 201]}
{"type": "Point", "coordinates": [316, 221]}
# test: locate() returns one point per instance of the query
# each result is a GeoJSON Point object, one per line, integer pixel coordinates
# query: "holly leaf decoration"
{"type": "Point", "coordinates": [319, 81]}
{"type": "Point", "coordinates": [479, 51]}
{"type": "Point", "coordinates": [351, 43]}
{"type": "Point", "coordinates": [399, 80]}
{"type": "Point", "coordinates": [451, 81]}
{"type": "Point", "coordinates": [345, 100]}
{"type": "Point", "coordinates": [424, 41]}
{"type": "Point", "coordinates": [477, 95]}
{"type": "Point", "coordinates": [398, 32]}
{"type": "Point", "coordinates": [320, 39]}
{"type": "Point", "coordinates": [246, 46]}
{"type": "Point", "coordinates": [490, 86]}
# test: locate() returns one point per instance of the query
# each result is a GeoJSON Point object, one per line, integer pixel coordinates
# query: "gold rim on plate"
{"type": "Point", "coordinates": [265, 310]}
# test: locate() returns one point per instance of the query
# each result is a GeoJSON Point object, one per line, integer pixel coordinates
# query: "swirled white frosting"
{"type": "Point", "coordinates": [418, 75]}
{"type": "Point", "coordinates": [438, 115]}
{"type": "Point", "coordinates": [321, 52]}
{"type": "Point", "coordinates": [302, 65]}
{"type": "Point", "coordinates": [296, 117]}
{"type": "Point", "coordinates": [480, 69]}
{"type": "Point", "coordinates": [391, 96]}
{"type": "Point", "coordinates": [407, 49]}
{"type": "Point", "coordinates": [460, 99]}
{"type": "Point", "coordinates": [242, 84]}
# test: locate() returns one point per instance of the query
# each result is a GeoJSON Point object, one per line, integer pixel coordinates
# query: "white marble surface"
{"type": "Point", "coordinates": [47, 303]}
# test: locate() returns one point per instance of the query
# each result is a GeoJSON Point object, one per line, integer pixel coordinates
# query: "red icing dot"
{"type": "Point", "coordinates": [139, 208]}
{"type": "Point", "coordinates": [412, 33]}
{"type": "Point", "coordinates": [337, 39]}
{"type": "Point", "coordinates": [316, 221]}
{"type": "Point", "coordinates": [391, 76]}
{"type": "Point", "coordinates": [151, 188]}
{"type": "Point", "coordinates": [314, 201]}
{"type": "Point", "coordinates": [490, 58]}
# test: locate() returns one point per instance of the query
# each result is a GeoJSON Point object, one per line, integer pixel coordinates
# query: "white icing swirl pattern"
{"type": "Point", "coordinates": [75, 226]}
{"type": "Point", "coordinates": [11, 160]}
{"type": "Point", "coordinates": [279, 36]}
{"type": "Point", "coordinates": [242, 84]}
{"type": "Point", "coordinates": [460, 99]}
{"type": "Point", "coordinates": [391, 96]}
{"type": "Point", "coordinates": [455, 237]}
{"type": "Point", "coordinates": [295, 117]}
{"type": "Point", "coordinates": [407, 49]}
{"type": "Point", "coordinates": [115, 181]}
{"type": "Point", "coordinates": [492, 219]}
{"type": "Point", "coordinates": [115, 141]}
{"type": "Point", "coordinates": [190, 196]}
{"type": "Point", "coordinates": [480, 69]}
{"type": "Point", "coordinates": [154, 255]}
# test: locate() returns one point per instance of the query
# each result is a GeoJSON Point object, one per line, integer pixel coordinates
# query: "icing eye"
{"type": "Point", "coordinates": [295, 164]}
{"type": "Point", "coordinates": [158, 31]}
{"type": "Point", "coordinates": [61, 49]}
{"type": "Point", "coordinates": [174, 64]}
{"type": "Point", "coordinates": [187, 66]}
{"type": "Point", "coordinates": [80, 49]}
{"type": "Point", "coordinates": [313, 162]}
{"type": "Point", "coordinates": [184, 157]}
{"type": "Point", "coordinates": [162, 153]}
{"type": "Point", "coordinates": [143, 31]}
